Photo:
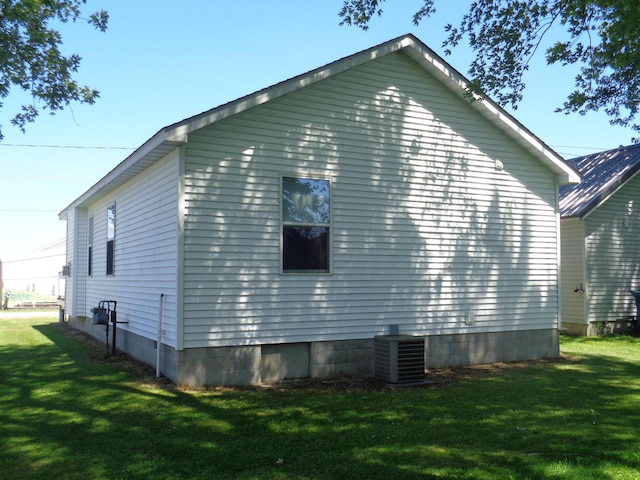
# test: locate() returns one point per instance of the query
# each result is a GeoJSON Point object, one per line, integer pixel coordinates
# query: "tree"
{"type": "Point", "coordinates": [600, 36]}
{"type": "Point", "coordinates": [30, 57]}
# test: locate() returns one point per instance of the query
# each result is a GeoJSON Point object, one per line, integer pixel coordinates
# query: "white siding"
{"type": "Point", "coordinates": [146, 255]}
{"type": "Point", "coordinates": [70, 287]}
{"type": "Point", "coordinates": [426, 227]}
{"type": "Point", "coordinates": [572, 270]}
{"type": "Point", "coordinates": [613, 233]}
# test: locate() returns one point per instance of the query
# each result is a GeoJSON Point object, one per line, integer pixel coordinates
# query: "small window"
{"type": "Point", "coordinates": [306, 218]}
{"type": "Point", "coordinates": [111, 236]}
{"type": "Point", "coordinates": [90, 248]}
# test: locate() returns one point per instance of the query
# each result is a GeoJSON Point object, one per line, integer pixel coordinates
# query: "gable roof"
{"type": "Point", "coordinates": [172, 136]}
{"type": "Point", "coordinates": [603, 174]}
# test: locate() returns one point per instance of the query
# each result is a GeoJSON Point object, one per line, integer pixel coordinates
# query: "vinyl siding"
{"type": "Point", "coordinates": [73, 288]}
{"type": "Point", "coordinates": [613, 230]}
{"type": "Point", "coordinates": [424, 229]}
{"type": "Point", "coordinates": [146, 255]}
{"type": "Point", "coordinates": [572, 267]}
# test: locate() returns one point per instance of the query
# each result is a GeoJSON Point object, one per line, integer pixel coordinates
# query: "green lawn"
{"type": "Point", "coordinates": [67, 412]}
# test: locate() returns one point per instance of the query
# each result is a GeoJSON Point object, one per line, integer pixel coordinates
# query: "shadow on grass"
{"type": "Point", "coordinates": [67, 412]}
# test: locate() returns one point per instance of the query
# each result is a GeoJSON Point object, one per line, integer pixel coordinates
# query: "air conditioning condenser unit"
{"type": "Point", "coordinates": [399, 359]}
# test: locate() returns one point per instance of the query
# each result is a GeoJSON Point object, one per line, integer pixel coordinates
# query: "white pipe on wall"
{"type": "Point", "coordinates": [159, 344]}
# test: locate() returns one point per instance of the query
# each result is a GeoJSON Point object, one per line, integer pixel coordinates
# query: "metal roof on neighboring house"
{"type": "Point", "coordinates": [602, 174]}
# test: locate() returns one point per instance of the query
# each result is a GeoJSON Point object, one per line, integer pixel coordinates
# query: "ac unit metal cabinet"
{"type": "Point", "coordinates": [399, 358]}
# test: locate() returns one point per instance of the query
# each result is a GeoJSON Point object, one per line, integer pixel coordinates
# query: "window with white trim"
{"type": "Point", "coordinates": [111, 236]}
{"type": "Point", "coordinates": [90, 248]}
{"type": "Point", "coordinates": [306, 219]}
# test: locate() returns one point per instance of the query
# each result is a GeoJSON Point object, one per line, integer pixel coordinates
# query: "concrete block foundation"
{"type": "Point", "coordinates": [255, 364]}
{"type": "Point", "coordinates": [477, 348]}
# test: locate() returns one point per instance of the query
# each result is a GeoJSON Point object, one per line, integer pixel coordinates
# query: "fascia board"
{"type": "Point", "coordinates": [143, 157]}
{"type": "Point", "coordinates": [177, 134]}
{"type": "Point", "coordinates": [428, 60]}
{"type": "Point", "coordinates": [458, 84]}
{"type": "Point", "coordinates": [286, 87]}
{"type": "Point", "coordinates": [606, 195]}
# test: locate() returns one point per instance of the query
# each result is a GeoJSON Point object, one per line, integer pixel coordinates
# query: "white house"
{"type": "Point", "coordinates": [600, 242]}
{"type": "Point", "coordinates": [277, 234]}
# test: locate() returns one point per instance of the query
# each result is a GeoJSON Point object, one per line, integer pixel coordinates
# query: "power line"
{"type": "Point", "coordinates": [22, 210]}
{"type": "Point", "coordinates": [106, 147]}
{"type": "Point", "coordinates": [29, 279]}
{"type": "Point", "coordinates": [94, 147]}
{"type": "Point", "coordinates": [582, 147]}
{"type": "Point", "coordinates": [34, 258]}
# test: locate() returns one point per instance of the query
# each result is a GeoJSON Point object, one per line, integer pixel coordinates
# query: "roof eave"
{"type": "Point", "coordinates": [286, 87]}
{"type": "Point", "coordinates": [604, 196]}
{"type": "Point", "coordinates": [565, 173]}
{"type": "Point", "coordinates": [177, 134]}
{"type": "Point", "coordinates": [457, 82]}
{"type": "Point", "coordinates": [586, 208]}
{"type": "Point", "coordinates": [162, 143]}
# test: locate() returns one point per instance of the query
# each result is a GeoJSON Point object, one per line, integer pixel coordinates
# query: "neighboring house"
{"type": "Point", "coordinates": [601, 241]}
{"type": "Point", "coordinates": [286, 229]}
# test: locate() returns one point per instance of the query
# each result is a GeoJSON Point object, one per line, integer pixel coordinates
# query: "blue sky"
{"type": "Point", "coordinates": [161, 61]}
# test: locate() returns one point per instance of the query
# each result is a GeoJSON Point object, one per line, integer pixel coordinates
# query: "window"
{"type": "Point", "coordinates": [111, 235]}
{"type": "Point", "coordinates": [305, 224]}
{"type": "Point", "coordinates": [90, 248]}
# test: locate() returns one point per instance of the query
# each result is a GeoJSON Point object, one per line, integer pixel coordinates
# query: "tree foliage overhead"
{"type": "Point", "coordinates": [602, 37]}
{"type": "Point", "coordinates": [30, 56]}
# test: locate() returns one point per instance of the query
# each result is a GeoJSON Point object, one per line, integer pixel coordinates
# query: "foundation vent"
{"type": "Point", "coordinates": [399, 359]}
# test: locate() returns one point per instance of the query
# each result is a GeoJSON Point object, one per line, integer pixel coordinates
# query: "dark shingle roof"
{"type": "Point", "coordinates": [602, 173]}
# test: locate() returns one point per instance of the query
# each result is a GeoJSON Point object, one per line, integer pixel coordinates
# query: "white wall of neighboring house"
{"type": "Point", "coordinates": [574, 285]}
{"type": "Point", "coordinates": [600, 251]}
{"type": "Point", "coordinates": [613, 255]}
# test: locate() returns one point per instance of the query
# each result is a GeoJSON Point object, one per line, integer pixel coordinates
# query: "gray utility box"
{"type": "Point", "coordinates": [398, 359]}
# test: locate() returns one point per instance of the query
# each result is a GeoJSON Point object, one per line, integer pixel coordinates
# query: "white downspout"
{"type": "Point", "coordinates": [159, 344]}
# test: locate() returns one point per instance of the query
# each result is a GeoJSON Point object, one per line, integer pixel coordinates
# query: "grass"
{"type": "Point", "coordinates": [67, 412]}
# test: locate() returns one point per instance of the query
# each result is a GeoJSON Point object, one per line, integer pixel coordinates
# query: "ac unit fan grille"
{"type": "Point", "coordinates": [399, 358]}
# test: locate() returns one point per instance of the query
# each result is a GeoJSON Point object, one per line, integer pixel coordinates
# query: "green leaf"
{"type": "Point", "coordinates": [30, 56]}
